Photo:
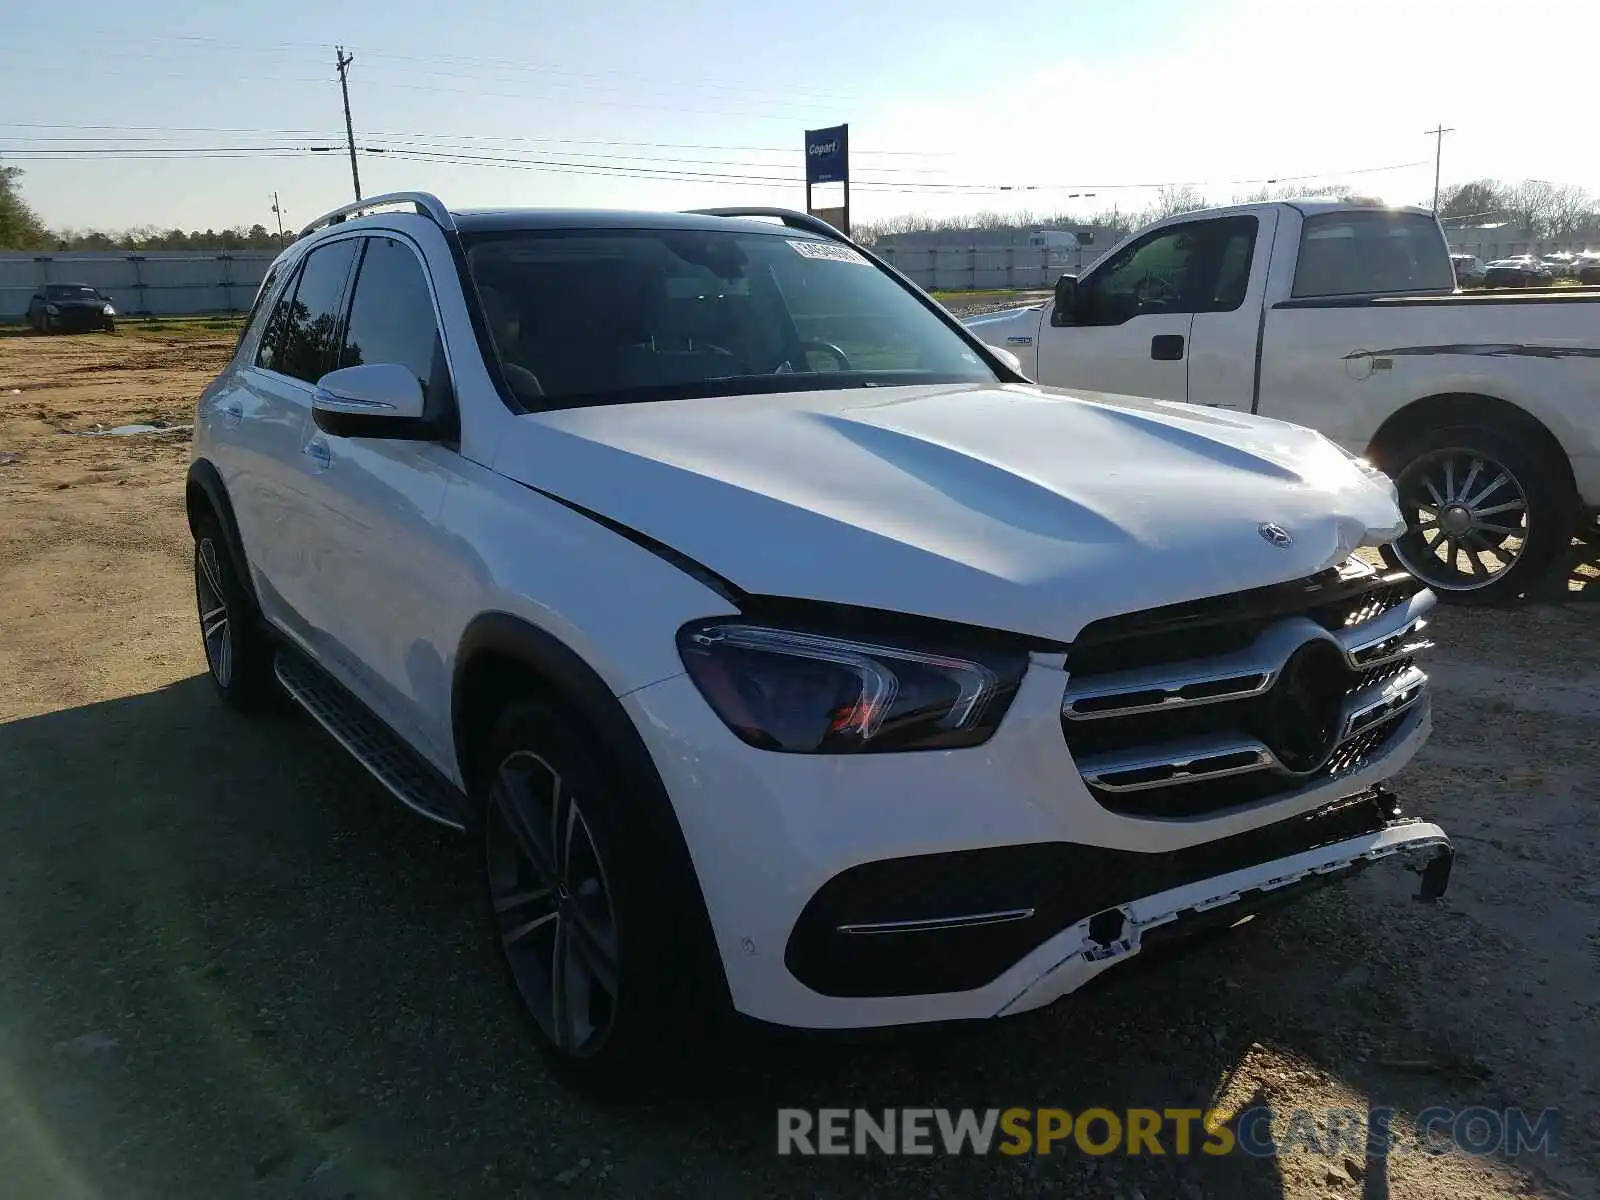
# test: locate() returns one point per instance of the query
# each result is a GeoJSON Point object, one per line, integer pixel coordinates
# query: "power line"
{"type": "Point", "coordinates": [294, 50]}
{"type": "Point", "coordinates": [640, 167]}
{"type": "Point", "coordinates": [772, 109]}
{"type": "Point", "coordinates": [462, 137]}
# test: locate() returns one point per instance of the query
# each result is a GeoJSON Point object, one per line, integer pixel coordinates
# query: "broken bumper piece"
{"type": "Point", "coordinates": [1113, 935]}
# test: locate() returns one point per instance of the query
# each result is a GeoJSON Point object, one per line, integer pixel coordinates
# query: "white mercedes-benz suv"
{"type": "Point", "coordinates": [789, 653]}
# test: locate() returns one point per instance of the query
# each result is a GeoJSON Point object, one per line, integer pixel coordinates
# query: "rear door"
{"type": "Point", "coordinates": [1130, 331]}
{"type": "Point", "coordinates": [271, 409]}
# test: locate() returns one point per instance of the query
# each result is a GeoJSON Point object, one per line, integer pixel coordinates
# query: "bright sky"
{"type": "Point", "coordinates": [946, 102]}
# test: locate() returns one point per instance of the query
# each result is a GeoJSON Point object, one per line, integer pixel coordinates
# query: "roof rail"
{"type": "Point", "coordinates": [791, 218]}
{"type": "Point", "coordinates": [425, 203]}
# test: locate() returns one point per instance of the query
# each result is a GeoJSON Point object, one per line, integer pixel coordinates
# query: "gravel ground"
{"type": "Point", "coordinates": [231, 966]}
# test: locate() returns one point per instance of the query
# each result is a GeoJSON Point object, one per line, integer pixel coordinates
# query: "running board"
{"type": "Point", "coordinates": [414, 782]}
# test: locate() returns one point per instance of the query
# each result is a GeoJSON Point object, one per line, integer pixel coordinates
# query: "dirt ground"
{"type": "Point", "coordinates": [231, 966]}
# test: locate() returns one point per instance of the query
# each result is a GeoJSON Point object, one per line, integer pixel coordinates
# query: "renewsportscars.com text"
{"type": "Point", "coordinates": [1170, 1131]}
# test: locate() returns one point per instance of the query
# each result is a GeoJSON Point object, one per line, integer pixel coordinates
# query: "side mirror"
{"type": "Point", "coordinates": [1005, 356]}
{"type": "Point", "coordinates": [1065, 311]}
{"type": "Point", "coordinates": [372, 400]}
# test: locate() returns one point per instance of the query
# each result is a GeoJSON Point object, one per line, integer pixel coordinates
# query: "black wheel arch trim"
{"type": "Point", "coordinates": [1465, 410]}
{"type": "Point", "coordinates": [205, 478]}
{"type": "Point", "coordinates": [551, 660]}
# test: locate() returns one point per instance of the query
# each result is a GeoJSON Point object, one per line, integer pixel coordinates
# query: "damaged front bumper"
{"type": "Point", "coordinates": [1115, 934]}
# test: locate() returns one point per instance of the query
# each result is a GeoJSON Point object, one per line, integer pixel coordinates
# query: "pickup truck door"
{"type": "Point", "coordinates": [1129, 331]}
{"type": "Point", "coordinates": [1225, 338]}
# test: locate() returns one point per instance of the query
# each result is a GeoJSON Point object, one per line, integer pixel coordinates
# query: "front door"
{"type": "Point", "coordinates": [384, 570]}
{"type": "Point", "coordinates": [1129, 333]}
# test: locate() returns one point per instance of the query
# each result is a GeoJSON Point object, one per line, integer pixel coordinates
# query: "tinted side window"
{"type": "Point", "coordinates": [310, 333]}
{"type": "Point", "coordinates": [1150, 276]}
{"type": "Point", "coordinates": [260, 310]}
{"type": "Point", "coordinates": [1370, 253]}
{"type": "Point", "coordinates": [392, 318]}
{"type": "Point", "coordinates": [271, 344]}
{"type": "Point", "coordinates": [1235, 248]}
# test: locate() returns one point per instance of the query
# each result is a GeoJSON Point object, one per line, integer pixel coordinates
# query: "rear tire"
{"type": "Point", "coordinates": [1487, 510]}
{"type": "Point", "coordinates": [238, 654]}
{"type": "Point", "coordinates": [585, 906]}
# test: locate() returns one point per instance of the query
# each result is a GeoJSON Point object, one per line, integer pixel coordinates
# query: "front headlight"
{"type": "Point", "coordinates": [109, 311]}
{"type": "Point", "coordinates": [809, 693]}
{"type": "Point", "coordinates": [53, 310]}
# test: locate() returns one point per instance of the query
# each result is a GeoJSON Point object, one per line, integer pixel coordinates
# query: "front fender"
{"type": "Point", "coordinates": [1015, 330]}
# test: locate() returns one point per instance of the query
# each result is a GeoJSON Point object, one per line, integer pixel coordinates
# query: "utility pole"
{"type": "Point", "coordinates": [343, 61]}
{"type": "Point", "coordinates": [1439, 156]}
{"type": "Point", "coordinates": [277, 211]}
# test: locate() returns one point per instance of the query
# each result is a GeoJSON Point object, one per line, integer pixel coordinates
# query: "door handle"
{"type": "Point", "coordinates": [319, 454]}
{"type": "Point", "coordinates": [233, 411]}
{"type": "Point", "coordinates": [1167, 347]}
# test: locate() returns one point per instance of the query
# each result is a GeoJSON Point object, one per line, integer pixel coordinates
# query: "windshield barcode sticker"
{"type": "Point", "coordinates": [831, 251]}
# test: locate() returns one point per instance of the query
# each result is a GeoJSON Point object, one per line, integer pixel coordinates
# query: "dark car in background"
{"type": "Point", "coordinates": [66, 307]}
{"type": "Point", "coordinates": [1522, 270]}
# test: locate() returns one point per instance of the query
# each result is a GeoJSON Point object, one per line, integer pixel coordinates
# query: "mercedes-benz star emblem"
{"type": "Point", "coordinates": [1276, 534]}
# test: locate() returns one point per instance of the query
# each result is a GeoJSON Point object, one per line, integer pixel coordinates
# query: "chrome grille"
{"type": "Point", "coordinates": [1235, 700]}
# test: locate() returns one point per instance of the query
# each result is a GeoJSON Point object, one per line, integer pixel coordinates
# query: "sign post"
{"type": "Point", "coordinates": [828, 161]}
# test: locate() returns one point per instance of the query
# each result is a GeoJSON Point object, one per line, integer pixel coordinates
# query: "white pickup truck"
{"type": "Point", "coordinates": [1345, 318]}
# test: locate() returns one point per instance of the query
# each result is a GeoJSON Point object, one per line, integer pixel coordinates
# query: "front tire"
{"type": "Point", "coordinates": [1486, 509]}
{"type": "Point", "coordinates": [238, 654]}
{"type": "Point", "coordinates": [580, 905]}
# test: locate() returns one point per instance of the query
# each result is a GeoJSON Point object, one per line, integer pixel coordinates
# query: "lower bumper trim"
{"type": "Point", "coordinates": [919, 909]}
{"type": "Point", "coordinates": [1168, 914]}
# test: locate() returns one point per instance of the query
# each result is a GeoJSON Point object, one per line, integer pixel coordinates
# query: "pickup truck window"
{"type": "Point", "coordinates": [631, 315]}
{"type": "Point", "coordinates": [1200, 266]}
{"type": "Point", "coordinates": [1375, 252]}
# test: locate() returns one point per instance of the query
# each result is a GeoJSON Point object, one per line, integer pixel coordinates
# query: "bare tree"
{"type": "Point", "coordinates": [1572, 210]}
{"type": "Point", "coordinates": [1171, 200]}
{"type": "Point", "coordinates": [1530, 205]}
{"type": "Point", "coordinates": [1480, 198]}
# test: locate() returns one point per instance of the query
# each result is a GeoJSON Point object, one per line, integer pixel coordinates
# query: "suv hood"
{"type": "Point", "coordinates": [1005, 506]}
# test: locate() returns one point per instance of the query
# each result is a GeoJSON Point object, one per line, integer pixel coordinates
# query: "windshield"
{"type": "Point", "coordinates": [71, 291]}
{"type": "Point", "coordinates": [620, 316]}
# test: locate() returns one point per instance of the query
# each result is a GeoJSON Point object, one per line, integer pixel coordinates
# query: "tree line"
{"type": "Point", "coordinates": [21, 228]}
{"type": "Point", "coordinates": [1535, 208]}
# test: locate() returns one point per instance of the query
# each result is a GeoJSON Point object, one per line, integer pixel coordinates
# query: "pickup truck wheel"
{"type": "Point", "coordinates": [238, 654]}
{"type": "Point", "coordinates": [577, 904]}
{"type": "Point", "coordinates": [1485, 514]}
